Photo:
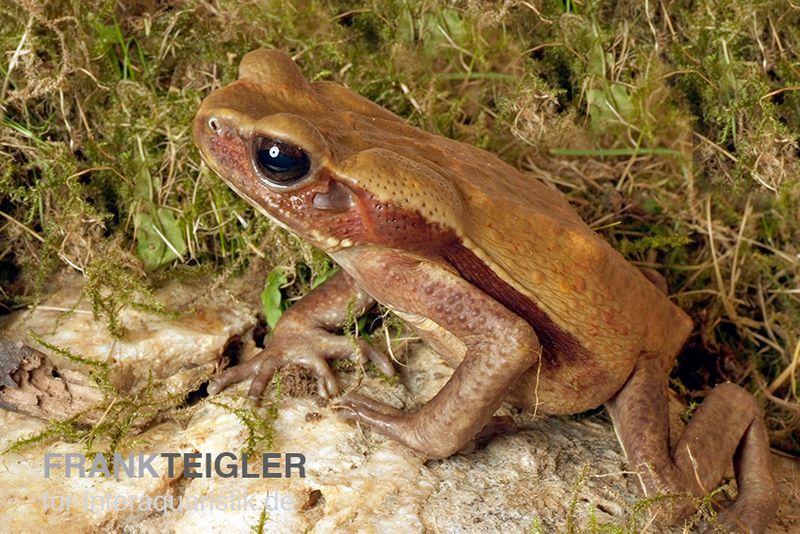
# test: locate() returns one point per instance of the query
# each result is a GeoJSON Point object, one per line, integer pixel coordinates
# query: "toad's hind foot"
{"type": "Point", "coordinates": [727, 426]}
{"type": "Point", "coordinates": [400, 425]}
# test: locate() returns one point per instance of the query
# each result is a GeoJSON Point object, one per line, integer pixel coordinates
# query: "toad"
{"type": "Point", "coordinates": [491, 267]}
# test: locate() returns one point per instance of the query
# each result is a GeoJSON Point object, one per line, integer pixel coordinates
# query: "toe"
{"type": "Point", "coordinates": [233, 375]}
{"type": "Point", "coordinates": [263, 376]}
{"type": "Point", "coordinates": [362, 403]}
{"type": "Point", "coordinates": [380, 417]}
{"type": "Point", "coordinates": [326, 382]}
{"type": "Point", "coordinates": [378, 358]}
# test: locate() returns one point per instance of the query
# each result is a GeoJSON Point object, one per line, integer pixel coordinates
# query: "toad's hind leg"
{"type": "Point", "coordinates": [727, 425]}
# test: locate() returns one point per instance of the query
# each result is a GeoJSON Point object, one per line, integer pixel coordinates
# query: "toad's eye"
{"type": "Point", "coordinates": [278, 163]}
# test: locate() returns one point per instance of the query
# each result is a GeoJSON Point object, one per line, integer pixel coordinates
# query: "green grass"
{"type": "Point", "coordinates": [674, 132]}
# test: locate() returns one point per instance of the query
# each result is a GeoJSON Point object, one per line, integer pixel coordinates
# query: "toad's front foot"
{"type": "Point", "coordinates": [303, 337]}
{"type": "Point", "coordinates": [311, 349]}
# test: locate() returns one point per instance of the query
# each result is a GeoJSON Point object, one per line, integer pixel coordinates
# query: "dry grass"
{"type": "Point", "coordinates": [673, 128]}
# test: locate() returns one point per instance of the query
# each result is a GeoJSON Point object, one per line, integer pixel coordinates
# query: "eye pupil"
{"type": "Point", "coordinates": [279, 163]}
{"type": "Point", "coordinates": [276, 161]}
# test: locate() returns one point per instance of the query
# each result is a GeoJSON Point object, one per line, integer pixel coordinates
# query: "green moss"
{"type": "Point", "coordinates": [653, 242]}
{"type": "Point", "coordinates": [263, 517]}
{"type": "Point", "coordinates": [67, 430]}
{"type": "Point", "coordinates": [100, 370]}
{"type": "Point", "coordinates": [258, 419]}
{"type": "Point", "coordinates": [111, 287]}
{"type": "Point", "coordinates": [570, 525]}
{"type": "Point", "coordinates": [259, 422]}
{"type": "Point", "coordinates": [123, 415]}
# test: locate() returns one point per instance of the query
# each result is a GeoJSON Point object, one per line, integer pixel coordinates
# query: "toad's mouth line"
{"type": "Point", "coordinates": [330, 244]}
{"type": "Point", "coordinates": [256, 205]}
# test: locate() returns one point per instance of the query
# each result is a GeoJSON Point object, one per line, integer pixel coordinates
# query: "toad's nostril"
{"type": "Point", "coordinates": [214, 124]}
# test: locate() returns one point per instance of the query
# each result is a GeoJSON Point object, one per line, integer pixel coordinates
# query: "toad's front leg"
{"type": "Point", "coordinates": [495, 347]}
